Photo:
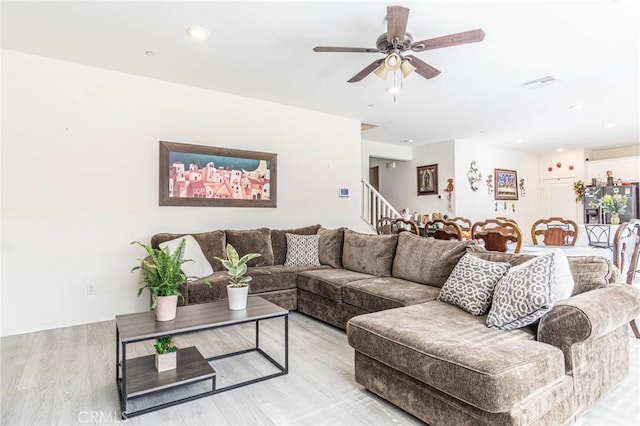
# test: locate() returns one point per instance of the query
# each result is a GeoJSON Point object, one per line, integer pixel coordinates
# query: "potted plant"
{"type": "Point", "coordinates": [163, 277]}
{"type": "Point", "coordinates": [238, 287]}
{"type": "Point", "coordinates": [166, 353]}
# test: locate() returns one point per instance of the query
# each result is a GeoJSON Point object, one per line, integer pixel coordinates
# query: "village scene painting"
{"type": "Point", "coordinates": [193, 175]}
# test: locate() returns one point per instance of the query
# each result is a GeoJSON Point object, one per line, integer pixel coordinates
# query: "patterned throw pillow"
{"type": "Point", "coordinates": [471, 283]}
{"type": "Point", "coordinates": [302, 250]}
{"type": "Point", "coordinates": [524, 294]}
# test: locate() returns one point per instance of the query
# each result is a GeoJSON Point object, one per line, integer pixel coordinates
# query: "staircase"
{"type": "Point", "coordinates": [374, 206]}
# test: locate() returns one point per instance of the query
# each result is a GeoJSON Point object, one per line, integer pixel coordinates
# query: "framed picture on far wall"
{"type": "Point", "coordinates": [207, 176]}
{"type": "Point", "coordinates": [428, 180]}
{"type": "Point", "coordinates": [506, 184]}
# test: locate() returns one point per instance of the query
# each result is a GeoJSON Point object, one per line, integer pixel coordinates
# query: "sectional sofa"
{"type": "Point", "coordinates": [428, 356]}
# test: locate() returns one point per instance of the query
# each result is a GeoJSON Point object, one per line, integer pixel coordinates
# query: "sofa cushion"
{"type": "Point", "coordinates": [327, 282]}
{"type": "Point", "coordinates": [279, 241]}
{"type": "Point", "coordinates": [456, 353]}
{"type": "Point", "coordinates": [380, 293]}
{"type": "Point", "coordinates": [196, 264]}
{"type": "Point", "coordinates": [591, 272]}
{"type": "Point", "coordinates": [212, 244]}
{"type": "Point", "coordinates": [369, 253]}
{"type": "Point", "coordinates": [564, 279]}
{"type": "Point", "coordinates": [302, 250]}
{"type": "Point", "coordinates": [471, 283]}
{"type": "Point", "coordinates": [252, 241]}
{"type": "Point", "coordinates": [426, 260]}
{"type": "Point", "coordinates": [524, 294]}
{"type": "Point", "coordinates": [330, 247]}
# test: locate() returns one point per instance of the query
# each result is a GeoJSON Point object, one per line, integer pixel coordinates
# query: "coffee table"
{"type": "Point", "coordinates": [137, 377]}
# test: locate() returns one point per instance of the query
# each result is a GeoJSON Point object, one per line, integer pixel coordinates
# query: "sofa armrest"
{"type": "Point", "coordinates": [589, 315]}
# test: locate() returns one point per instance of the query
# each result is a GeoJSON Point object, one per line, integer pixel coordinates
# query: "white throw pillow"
{"type": "Point", "coordinates": [302, 250]}
{"type": "Point", "coordinates": [200, 267]}
{"type": "Point", "coordinates": [564, 278]}
{"type": "Point", "coordinates": [524, 294]}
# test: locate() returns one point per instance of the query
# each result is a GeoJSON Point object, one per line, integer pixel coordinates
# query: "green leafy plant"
{"type": "Point", "coordinates": [165, 345]}
{"type": "Point", "coordinates": [614, 204]}
{"type": "Point", "coordinates": [578, 189]}
{"type": "Point", "coordinates": [161, 272]}
{"type": "Point", "coordinates": [237, 266]}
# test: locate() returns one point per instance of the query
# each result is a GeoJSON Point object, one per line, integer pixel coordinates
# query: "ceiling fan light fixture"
{"type": "Point", "coordinates": [393, 62]}
{"type": "Point", "coordinates": [407, 68]}
{"type": "Point", "coordinates": [393, 90]}
{"type": "Point", "coordinates": [382, 71]}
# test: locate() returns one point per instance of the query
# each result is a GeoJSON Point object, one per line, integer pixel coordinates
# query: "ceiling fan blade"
{"type": "Point", "coordinates": [397, 17]}
{"type": "Point", "coordinates": [366, 71]}
{"type": "Point", "coordinates": [465, 37]}
{"type": "Point", "coordinates": [423, 68]}
{"type": "Point", "coordinates": [345, 49]}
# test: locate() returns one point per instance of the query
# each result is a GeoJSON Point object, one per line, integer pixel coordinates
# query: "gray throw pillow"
{"type": "Point", "coordinates": [302, 250]}
{"type": "Point", "coordinates": [471, 283]}
{"type": "Point", "coordinates": [279, 241]}
{"type": "Point", "coordinates": [330, 247]}
{"type": "Point", "coordinates": [524, 294]}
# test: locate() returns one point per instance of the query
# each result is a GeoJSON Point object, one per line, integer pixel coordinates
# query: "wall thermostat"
{"type": "Point", "coordinates": [343, 192]}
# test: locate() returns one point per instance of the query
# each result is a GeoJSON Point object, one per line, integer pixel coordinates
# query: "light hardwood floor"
{"type": "Point", "coordinates": [66, 377]}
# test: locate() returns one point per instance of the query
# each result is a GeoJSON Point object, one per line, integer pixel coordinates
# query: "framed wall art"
{"type": "Point", "coordinates": [505, 185]}
{"type": "Point", "coordinates": [428, 180]}
{"type": "Point", "coordinates": [206, 176]}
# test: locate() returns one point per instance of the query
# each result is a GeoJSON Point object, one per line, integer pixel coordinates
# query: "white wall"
{"type": "Point", "coordinates": [480, 204]}
{"type": "Point", "coordinates": [80, 180]}
{"type": "Point", "coordinates": [371, 149]}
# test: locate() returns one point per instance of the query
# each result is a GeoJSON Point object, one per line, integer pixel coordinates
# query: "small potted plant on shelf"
{"type": "Point", "coordinates": [166, 353]}
{"type": "Point", "coordinates": [238, 288]}
{"type": "Point", "coordinates": [163, 277]}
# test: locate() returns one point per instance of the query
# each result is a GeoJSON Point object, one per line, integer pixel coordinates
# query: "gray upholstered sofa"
{"type": "Point", "coordinates": [433, 359]}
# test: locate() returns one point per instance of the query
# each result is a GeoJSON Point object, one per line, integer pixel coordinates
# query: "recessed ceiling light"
{"type": "Point", "coordinates": [371, 105]}
{"type": "Point", "coordinates": [408, 141]}
{"type": "Point", "coordinates": [560, 149]}
{"type": "Point", "coordinates": [198, 32]}
{"type": "Point", "coordinates": [607, 125]}
{"type": "Point", "coordinates": [576, 107]}
{"type": "Point", "coordinates": [150, 53]}
{"type": "Point", "coordinates": [519, 140]}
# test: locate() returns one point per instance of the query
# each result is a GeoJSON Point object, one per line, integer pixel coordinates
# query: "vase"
{"type": "Point", "coordinates": [237, 297]}
{"type": "Point", "coordinates": [166, 361]}
{"type": "Point", "coordinates": [615, 219]}
{"type": "Point", "coordinates": [166, 308]}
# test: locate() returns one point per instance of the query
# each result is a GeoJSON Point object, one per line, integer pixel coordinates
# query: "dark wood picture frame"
{"type": "Point", "coordinates": [505, 184]}
{"type": "Point", "coordinates": [240, 179]}
{"type": "Point", "coordinates": [427, 179]}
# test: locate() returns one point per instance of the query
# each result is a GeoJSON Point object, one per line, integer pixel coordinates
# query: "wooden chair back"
{"type": "Point", "coordinates": [462, 222]}
{"type": "Point", "coordinates": [384, 226]}
{"type": "Point", "coordinates": [496, 233]}
{"type": "Point", "coordinates": [555, 231]}
{"type": "Point", "coordinates": [405, 225]}
{"type": "Point", "coordinates": [626, 250]}
{"type": "Point", "coordinates": [443, 230]}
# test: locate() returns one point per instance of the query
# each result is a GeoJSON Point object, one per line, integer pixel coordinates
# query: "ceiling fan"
{"type": "Point", "coordinates": [396, 41]}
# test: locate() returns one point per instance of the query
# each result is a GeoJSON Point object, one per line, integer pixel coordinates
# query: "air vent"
{"type": "Point", "coordinates": [540, 82]}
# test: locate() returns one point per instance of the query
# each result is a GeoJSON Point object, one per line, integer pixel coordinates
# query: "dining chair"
{"type": "Point", "coordinates": [497, 233]}
{"type": "Point", "coordinates": [443, 230]}
{"type": "Point", "coordinates": [464, 224]}
{"type": "Point", "coordinates": [555, 231]}
{"type": "Point", "coordinates": [626, 250]}
{"type": "Point", "coordinates": [384, 226]}
{"type": "Point", "coordinates": [599, 235]}
{"type": "Point", "coordinates": [404, 225]}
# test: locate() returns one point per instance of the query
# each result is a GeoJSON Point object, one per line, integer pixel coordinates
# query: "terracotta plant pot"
{"type": "Point", "coordinates": [237, 297]}
{"type": "Point", "coordinates": [167, 361]}
{"type": "Point", "coordinates": [166, 308]}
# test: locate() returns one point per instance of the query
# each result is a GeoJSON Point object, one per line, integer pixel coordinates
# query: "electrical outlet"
{"type": "Point", "coordinates": [91, 289]}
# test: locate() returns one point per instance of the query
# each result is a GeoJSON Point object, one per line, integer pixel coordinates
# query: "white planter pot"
{"type": "Point", "coordinates": [166, 308]}
{"type": "Point", "coordinates": [166, 362]}
{"type": "Point", "coordinates": [237, 297]}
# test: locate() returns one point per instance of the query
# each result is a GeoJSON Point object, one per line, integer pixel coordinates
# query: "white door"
{"type": "Point", "coordinates": [558, 199]}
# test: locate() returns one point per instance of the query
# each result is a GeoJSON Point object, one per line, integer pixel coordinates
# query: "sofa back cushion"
{"type": "Point", "coordinates": [426, 260]}
{"type": "Point", "coordinates": [279, 241]}
{"type": "Point", "coordinates": [212, 244]}
{"type": "Point", "coordinates": [330, 247]}
{"type": "Point", "coordinates": [369, 253]}
{"type": "Point", "coordinates": [252, 241]}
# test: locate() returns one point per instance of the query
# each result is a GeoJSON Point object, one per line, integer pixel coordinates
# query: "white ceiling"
{"type": "Point", "coordinates": [264, 50]}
